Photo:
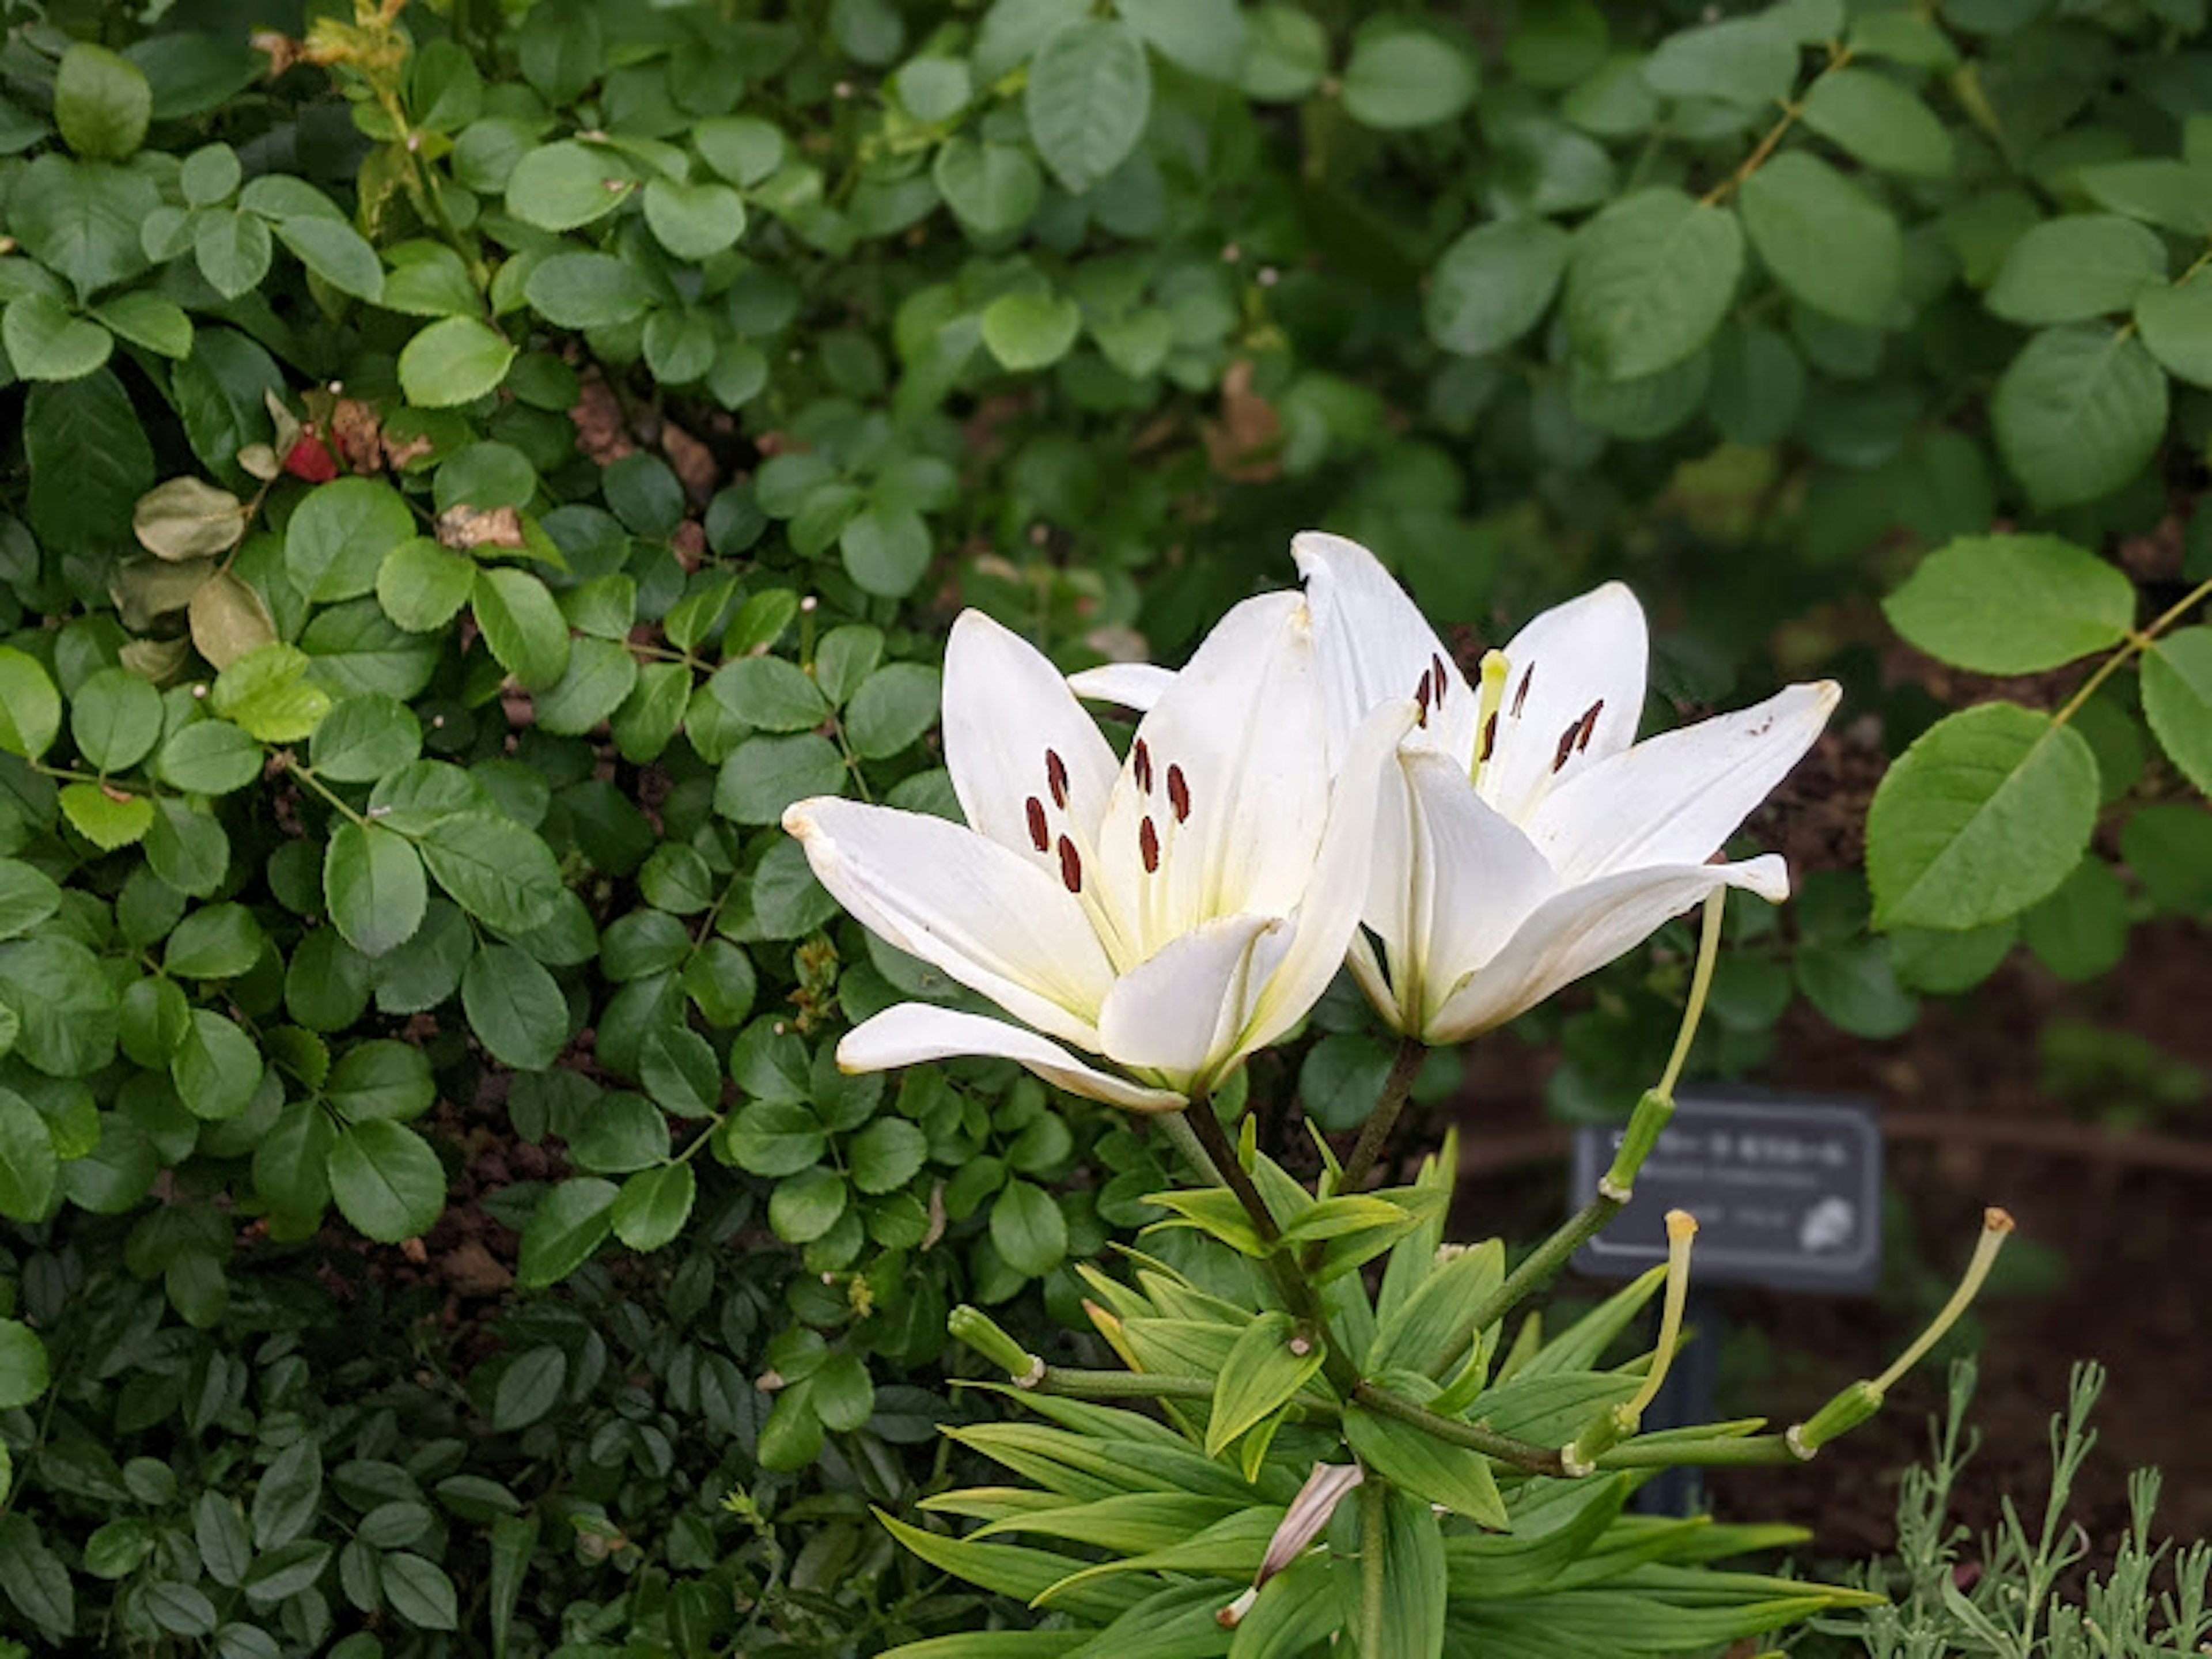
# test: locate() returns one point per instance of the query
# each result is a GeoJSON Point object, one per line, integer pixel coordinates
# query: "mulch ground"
{"type": "Point", "coordinates": [2123, 1217]}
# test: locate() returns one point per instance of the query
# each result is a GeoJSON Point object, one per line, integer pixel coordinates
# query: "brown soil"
{"type": "Point", "coordinates": [2121, 1217]}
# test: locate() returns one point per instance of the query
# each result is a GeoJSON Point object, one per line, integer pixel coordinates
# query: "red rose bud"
{"type": "Point", "coordinates": [311, 459]}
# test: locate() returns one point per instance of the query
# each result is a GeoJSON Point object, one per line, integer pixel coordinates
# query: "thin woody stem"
{"type": "Point", "coordinates": [1792, 109]}
{"type": "Point", "coordinates": [2142, 640]}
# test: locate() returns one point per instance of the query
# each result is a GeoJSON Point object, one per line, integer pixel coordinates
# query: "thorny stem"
{"type": "Point", "coordinates": [2140, 639]}
{"type": "Point", "coordinates": [1405, 1067]}
{"type": "Point", "coordinates": [1521, 1454]}
{"type": "Point", "coordinates": [1839, 56]}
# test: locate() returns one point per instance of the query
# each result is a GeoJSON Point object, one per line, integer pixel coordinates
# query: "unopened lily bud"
{"type": "Point", "coordinates": [1838, 1417]}
{"type": "Point", "coordinates": [1654, 1112]}
{"type": "Point", "coordinates": [1578, 1457]}
{"type": "Point", "coordinates": [981, 1333]}
{"type": "Point", "coordinates": [1862, 1400]}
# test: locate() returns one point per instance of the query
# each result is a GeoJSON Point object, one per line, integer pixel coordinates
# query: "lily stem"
{"type": "Point", "coordinates": [1121, 1385]}
{"type": "Point", "coordinates": [1176, 1126]}
{"type": "Point", "coordinates": [1215, 1140]}
{"type": "Point", "coordinates": [1751, 1451]}
{"type": "Point", "coordinates": [1521, 1454]}
{"type": "Point", "coordinates": [1536, 1270]}
{"type": "Point", "coordinates": [1405, 1067]}
{"type": "Point", "coordinates": [1373, 1588]}
{"type": "Point", "coordinates": [1294, 1285]}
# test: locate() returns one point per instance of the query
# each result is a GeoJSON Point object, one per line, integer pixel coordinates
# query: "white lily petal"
{"type": "Point", "coordinates": [1376, 646]}
{"type": "Point", "coordinates": [1587, 655]}
{"type": "Point", "coordinates": [1135, 686]}
{"type": "Point", "coordinates": [982, 912]}
{"type": "Point", "coordinates": [1239, 781]}
{"type": "Point", "coordinates": [911, 1032]}
{"type": "Point", "coordinates": [1480, 878]}
{"type": "Point", "coordinates": [1181, 1011]}
{"type": "Point", "coordinates": [1580, 930]}
{"type": "Point", "coordinates": [1329, 916]}
{"type": "Point", "coordinates": [1008, 717]}
{"type": "Point", "coordinates": [1675, 798]}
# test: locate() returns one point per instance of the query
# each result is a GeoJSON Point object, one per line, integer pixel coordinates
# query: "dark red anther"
{"type": "Point", "coordinates": [1071, 866]}
{"type": "Point", "coordinates": [1055, 775]}
{"type": "Point", "coordinates": [1178, 793]}
{"type": "Point", "coordinates": [1148, 845]}
{"type": "Point", "coordinates": [1589, 726]}
{"type": "Point", "coordinates": [1437, 663]}
{"type": "Point", "coordinates": [1567, 744]}
{"type": "Point", "coordinates": [1489, 736]}
{"type": "Point", "coordinates": [1421, 697]}
{"type": "Point", "coordinates": [1140, 763]}
{"type": "Point", "coordinates": [1521, 696]}
{"type": "Point", "coordinates": [311, 459]}
{"type": "Point", "coordinates": [1040, 835]}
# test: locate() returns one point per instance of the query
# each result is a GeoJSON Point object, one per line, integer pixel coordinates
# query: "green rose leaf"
{"type": "Point", "coordinates": [2176, 326]}
{"type": "Point", "coordinates": [1828, 242]}
{"type": "Point", "coordinates": [515, 1007]}
{"type": "Point", "coordinates": [1649, 279]}
{"type": "Point", "coordinates": [2012, 604]}
{"type": "Point", "coordinates": [495, 869]}
{"type": "Point", "coordinates": [22, 1364]}
{"type": "Point", "coordinates": [456, 360]}
{"type": "Point", "coordinates": [2080, 412]}
{"type": "Point", "coordinates": [386, 1181]}
{"type": "Point", "coordinates": [653, 1204]}
{"type": "Point", "coordinates": [1494, 284]}
{"type": "Point", "coordinates": [694, 221]}
{"type": "Point", "coordinates": [570, 1222]}
{"type": "Point", "coordinates": [1029, 331]}
{"type": "Point", "coordinates": [30, 708]}
{"type": "Point", "coordinates": [1400, 77]}
{"type": "Point", "coordinates": [1880, 122]}
{"type": "Point", "coordinates": [2176, 693]}
{"type": "Point", "coordinates": [1027, 1229]}
{"type": "Point", "coordinates": [1985, 814]}
{"type": "Point", "coordinates": [2072, 268]}
{"type": "Point", "coordinates": [1089, 95]}
{"type": "Point", "coordinates": [45, 343]}
{"type": "Point", "coordinates": [102, 102]}
{"type": "Point", "coordinates": [522, 625]}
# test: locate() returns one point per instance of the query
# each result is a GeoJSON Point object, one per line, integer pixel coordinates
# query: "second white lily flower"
{"type": "Point", "coordinates": [1525, 838]}
{"type": "Point", "coordinates": [1172, 912]}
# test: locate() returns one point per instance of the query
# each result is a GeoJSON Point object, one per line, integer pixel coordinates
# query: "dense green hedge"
{"type": "Point", "coordinates": [391, 780]}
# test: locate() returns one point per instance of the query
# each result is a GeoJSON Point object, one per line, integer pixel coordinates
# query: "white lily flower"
{"type": "Point", "coordinates": [1171, 911]}
{"type": "Point", "coordinates": [1527, 839]}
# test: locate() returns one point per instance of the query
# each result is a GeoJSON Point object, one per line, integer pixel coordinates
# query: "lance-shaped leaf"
{"type": "Point", "coordinates": [1271, 1361]}
{"type": "Point", "coordinates": [1436, 1471]}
